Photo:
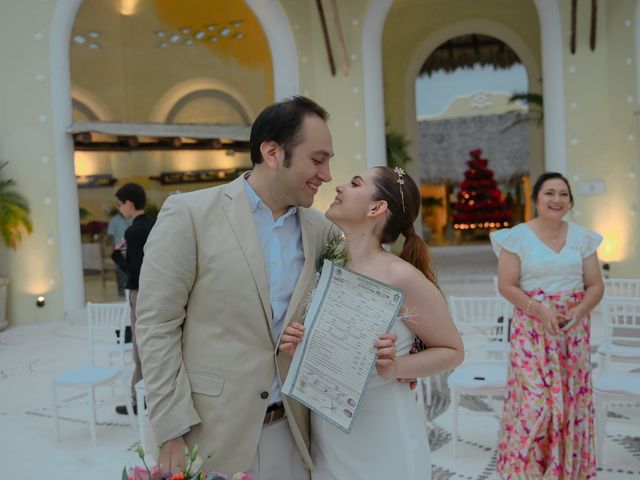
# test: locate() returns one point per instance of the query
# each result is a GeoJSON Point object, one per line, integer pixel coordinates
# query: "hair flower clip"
{"type": "Point", "coordinates": [400, 173]}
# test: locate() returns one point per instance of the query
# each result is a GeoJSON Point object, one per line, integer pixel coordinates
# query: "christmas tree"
{"type": "Point", "coordinates": [480, 204]}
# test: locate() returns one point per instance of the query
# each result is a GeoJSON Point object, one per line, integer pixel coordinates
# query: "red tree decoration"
{"type": "Point", "coordinates": [480, 204]}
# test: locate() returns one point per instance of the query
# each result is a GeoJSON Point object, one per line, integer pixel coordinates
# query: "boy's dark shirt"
{"type": "Point", "coordinates": [136, 236]}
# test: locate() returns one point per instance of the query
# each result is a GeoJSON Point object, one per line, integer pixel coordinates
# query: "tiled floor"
{"type": "Point", "coordinates": [30, 355]}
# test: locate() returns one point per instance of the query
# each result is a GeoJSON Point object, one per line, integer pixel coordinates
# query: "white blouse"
{"type": "Point", "coordinates": [540, 266]}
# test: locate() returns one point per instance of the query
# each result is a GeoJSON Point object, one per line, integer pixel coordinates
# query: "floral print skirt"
{"type": "Point", "coordinates": [547, 429]}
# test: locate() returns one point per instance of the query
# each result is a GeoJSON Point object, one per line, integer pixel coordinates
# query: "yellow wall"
{"type": "Point", "coordinates": [26, 142]}
{"type": "Point", "coordinates": [601, 89]}
{"type": "Point", "coordinates": [130, 73]}
{"type": "Point", "coordinates": [125, 82]}
{"type": "Point", "coordinates": [341, 95]}
{"type": "Point", "coordinates": [410, 22]}
{"type": "Point", "coordinates": [602, 122]}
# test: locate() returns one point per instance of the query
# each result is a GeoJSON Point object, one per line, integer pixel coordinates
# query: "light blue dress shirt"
{"type": "Point", "coordinates": [281, 242]}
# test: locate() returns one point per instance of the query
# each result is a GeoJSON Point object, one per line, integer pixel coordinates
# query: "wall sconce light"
{"type": "Point", "coordinates": [40, 301]}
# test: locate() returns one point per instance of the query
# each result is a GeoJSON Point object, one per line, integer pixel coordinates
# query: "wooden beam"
{"type": "Point", "coordinates": [574, 14]}
{"type": "Point", "coordinates": [83, 137]}
{"type": "Point", "coordinates": [594, 22]}
{"type": "Point", "coordinates": [325, 35]}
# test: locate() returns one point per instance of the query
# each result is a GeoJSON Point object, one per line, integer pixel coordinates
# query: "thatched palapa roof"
{"type": "Point", "coordinates": [468, 50]}
{"type": "Point", "coordinates": [444, 145]}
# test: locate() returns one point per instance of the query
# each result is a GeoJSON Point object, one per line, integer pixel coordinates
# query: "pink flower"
{"type": "Point", "coordinates": [140, 473]}
{"type": "Point", "coordinates": [242, 476]}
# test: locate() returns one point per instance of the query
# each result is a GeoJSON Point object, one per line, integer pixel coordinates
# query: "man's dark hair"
{"type": "Point", "coordinates": [282, 123]}
{"type": "Point", "coordinates": [134, 193]}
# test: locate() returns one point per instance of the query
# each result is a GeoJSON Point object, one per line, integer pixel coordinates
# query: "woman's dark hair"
{"type": "Point", "coordinates": [134, 193]}
{"type": "Point", "coordinates": [403, 199]}
{"type": "Point", "coordinates": [282, 123]}
{"type": "Point", "coordinates": [549, 176]}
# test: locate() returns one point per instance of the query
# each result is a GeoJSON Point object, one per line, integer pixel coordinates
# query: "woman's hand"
{"type": "Point", "coordinates": [291, 337]}
{"type": "Point", "coordinates": [386, 355]}
{"type": "Point", "coordinates": [550, 319]}
{"type": "Point", "coordinates": [573, 317]}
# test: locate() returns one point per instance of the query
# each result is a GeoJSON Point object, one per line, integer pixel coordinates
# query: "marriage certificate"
{"type": "Point", "coordinates": [330, 369]}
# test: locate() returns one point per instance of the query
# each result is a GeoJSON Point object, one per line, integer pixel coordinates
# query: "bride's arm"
{"type": "Point", "coordinates": [432, 323]}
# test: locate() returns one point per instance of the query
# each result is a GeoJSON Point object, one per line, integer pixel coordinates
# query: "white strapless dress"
{"type": "Point", "coordinates": [388, 439]}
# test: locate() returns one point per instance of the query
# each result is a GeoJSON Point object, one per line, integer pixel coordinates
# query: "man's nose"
{"type": "Point", "coordinates": [325, 173]}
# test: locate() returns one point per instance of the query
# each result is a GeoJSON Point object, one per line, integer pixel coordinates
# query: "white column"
{"type": "Point", "coordinates": [637, 27]}
{"type": "Point", "coordinates": [555, 147]}
{"type": "Point", "coordinates": [64, 14]}
{"type": "Point", "coordinates": [286, 75]}
{"type": "Point", "coordinates": [373, 89]}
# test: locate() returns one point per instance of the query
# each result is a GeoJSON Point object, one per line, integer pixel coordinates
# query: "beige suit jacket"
{"type": "Point", "coordinates": [204, 324]}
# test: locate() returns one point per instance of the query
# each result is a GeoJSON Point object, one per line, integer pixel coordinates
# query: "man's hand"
{"type": "Point", "coordinates": [386, 355]}
{"type": "Point", "coordinates": [413, 382]}
{"type": "Point", "coordinates": [172, 458]}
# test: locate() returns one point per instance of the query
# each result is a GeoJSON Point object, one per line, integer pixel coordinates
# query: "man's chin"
{"type": "Point", "coordinates": [307, 201]}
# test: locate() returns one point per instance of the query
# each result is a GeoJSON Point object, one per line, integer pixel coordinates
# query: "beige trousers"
{"type": "Point", "coordinates": [137, 368]}
{"type": "Point", "coordinates": [277, 457]}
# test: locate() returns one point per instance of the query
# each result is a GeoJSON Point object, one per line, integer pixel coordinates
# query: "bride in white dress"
{"type": "Point", "coordinates": [389, 438]}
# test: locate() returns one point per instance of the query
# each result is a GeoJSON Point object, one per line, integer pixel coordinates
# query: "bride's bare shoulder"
{"type": "Point", "coordinates": [403, 274]}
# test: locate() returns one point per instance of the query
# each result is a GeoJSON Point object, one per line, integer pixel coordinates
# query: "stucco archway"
{"type": "Point", "coordinates": [437, 38]}
{"type": "Point", "coordinates": [286, 82]}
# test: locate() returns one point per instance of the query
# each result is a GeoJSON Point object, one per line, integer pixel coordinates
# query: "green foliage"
{"type": "Point", "coordinates": [14, 213]}
{"type": "Point", "coordinates": [535, 104]}
{"type": "Point", "coordinates": [397, 154]}
{"type": "Point", "coordinates": [335, 250]}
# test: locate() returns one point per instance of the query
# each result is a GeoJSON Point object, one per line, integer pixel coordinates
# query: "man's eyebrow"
{"type": "Point", "coordinates": [323, 152]}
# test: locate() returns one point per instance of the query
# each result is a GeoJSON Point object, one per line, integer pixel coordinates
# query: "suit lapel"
{"type": "Point", "coordinates": [305, 279]}
{"type": "Point", "coordinates": [238, 212]}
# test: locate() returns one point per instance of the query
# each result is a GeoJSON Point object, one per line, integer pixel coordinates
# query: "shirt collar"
{"type": "Point", "coordinates": [255, 201]}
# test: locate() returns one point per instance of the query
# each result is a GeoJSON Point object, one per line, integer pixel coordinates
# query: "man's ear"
{"type": "Point", "coordinates": [271, 153]}
{"type": "Point", "coordinates": [377, 208]}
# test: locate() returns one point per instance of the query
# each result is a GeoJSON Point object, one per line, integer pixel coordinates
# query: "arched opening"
{"type": "Point", "coordinates": [473, 139]}
{"type": "Point", "coordinates": [148, 64]}
{"type": "Point", "coordinates": [286, 82]}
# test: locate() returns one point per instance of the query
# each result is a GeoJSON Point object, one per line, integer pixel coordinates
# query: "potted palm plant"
{"type": "Point", "coordinates": [14, 222]}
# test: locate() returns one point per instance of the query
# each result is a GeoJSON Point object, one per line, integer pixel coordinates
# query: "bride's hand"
{"type": "Point", "coordinates": [291, 337]}
{"type": "Point", "coordinates": [386, 355]}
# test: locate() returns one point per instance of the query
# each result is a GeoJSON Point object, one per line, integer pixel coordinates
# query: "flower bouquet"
{"type": "Point", "coordinates": [334, 250]}
{"type": "Point", "coordinates": [190, 472]}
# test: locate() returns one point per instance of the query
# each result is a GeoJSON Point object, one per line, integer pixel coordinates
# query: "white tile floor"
{"type": "Point", "coordinates": [30, 355]}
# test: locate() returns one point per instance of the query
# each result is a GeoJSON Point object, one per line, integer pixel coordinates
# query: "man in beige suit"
{"type": "Point", "coordinates": [225, 269]}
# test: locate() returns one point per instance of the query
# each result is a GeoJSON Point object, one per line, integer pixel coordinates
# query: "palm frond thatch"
{"type": "Point", "coordinates": [466, 51]}
{"type": "Point", "coordinates": [14, 213]}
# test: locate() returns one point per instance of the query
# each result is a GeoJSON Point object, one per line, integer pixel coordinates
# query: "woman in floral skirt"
{"type": "Point", "coordinates": [548, 269]}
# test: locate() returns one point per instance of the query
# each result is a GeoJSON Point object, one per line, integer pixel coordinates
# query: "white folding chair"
{"type": "Point", "coordinates": [617, 288]}
{"type": "Point", "coordinates": [622, 287]}
{"type": "Point", "coordinates": [483, 324]}
{"type": "Point", "coordinates": [622, 347]}
{"type": "Point", "coordinates": [106, 363]}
